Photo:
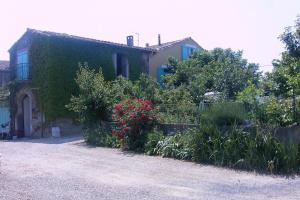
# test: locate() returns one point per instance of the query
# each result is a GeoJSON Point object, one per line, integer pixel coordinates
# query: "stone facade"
{"type": "Point", "coordinates": [27, 118]}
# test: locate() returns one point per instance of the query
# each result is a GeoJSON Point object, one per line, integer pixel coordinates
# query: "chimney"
{"type": "Point", "coordinates": [130, 40]}
{"type": "Point", "coordinates": [147, 44]}
{"type": "Point", "coordinates": [159, 42]}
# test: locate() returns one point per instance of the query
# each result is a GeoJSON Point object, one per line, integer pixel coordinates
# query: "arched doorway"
{"type": "Point", "coordinates": [26, 115]}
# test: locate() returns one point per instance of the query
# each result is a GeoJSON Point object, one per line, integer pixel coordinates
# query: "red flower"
{"type": "Point", "coordinates": [118, 107]}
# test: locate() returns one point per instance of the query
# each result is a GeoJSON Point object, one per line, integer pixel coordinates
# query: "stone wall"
{"type": "Point", "coordinates": [66, 126]}
{"type": "Point", "coordinates": [170, 129]}
{"type": "Point", "coordinates": [290, 134]}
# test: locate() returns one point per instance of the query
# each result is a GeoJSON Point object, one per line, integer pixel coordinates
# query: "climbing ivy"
{"type": "Point", "coordinates": [54, 63]}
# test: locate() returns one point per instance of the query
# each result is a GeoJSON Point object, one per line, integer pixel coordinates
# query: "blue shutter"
{"type": "Point", "coordinates": [160, 73]}
{"type": "Point", "coordinates": [22, 66]}
{"type": "Point", "coordinates": [185, 52]}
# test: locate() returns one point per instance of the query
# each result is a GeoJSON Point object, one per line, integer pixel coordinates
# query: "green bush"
{"type": "Point", "coordinates": [278, 112]}
{"type": "Point", "coordinates": [224, 114]}
{"type": "Point", "coordinates": [152, 139]}
{"type": "Point", "coordinates": [234, 148]}
{"type": "Point", "coordinates": [176, 146]}
{"type": "Point", "coordinates": [239, 149]}
{"type": "Point", "coordinates": [101, 137]}
{"type": "Point", "coordinates": [176, 105]}
{"type": "Point", "coordinates": [94, 101]}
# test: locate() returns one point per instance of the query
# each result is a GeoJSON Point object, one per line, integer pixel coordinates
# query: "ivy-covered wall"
{"type": "Point", "coordinates": [54, 63]}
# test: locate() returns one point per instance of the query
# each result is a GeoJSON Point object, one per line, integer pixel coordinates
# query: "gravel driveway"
{"type": "Point", "coordinates": [66, 168]}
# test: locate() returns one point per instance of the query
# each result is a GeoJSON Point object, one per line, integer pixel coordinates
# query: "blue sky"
{"type": "Point", "coordinates": [249, 25]}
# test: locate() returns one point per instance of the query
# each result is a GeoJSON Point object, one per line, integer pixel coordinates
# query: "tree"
{"type": "Point", "coordinates": [219, 70]}
{"type": "Point", "coordinates": [95, 99]}
{"type": "Point", "coordinates": [286, 73]}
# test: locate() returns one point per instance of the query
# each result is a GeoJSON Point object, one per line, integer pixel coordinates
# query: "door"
{"type": "Point", "coordinates": [27, 116]}
{"type": "Point", "coordinates": [4, 118]}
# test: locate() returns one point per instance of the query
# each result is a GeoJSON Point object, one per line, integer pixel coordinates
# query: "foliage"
{"type": "Point", "coordinates": [4, 93]}
{"type": "Point", "coordinates": [291, 39]}
{"type": "Point", "coordinates": [100, 137]}
{"type": "Point", "coordinates": [147, 88]}
{"type": "Point", "coordinates": [284, 81]}
{"type": "Point", "coordinates": [121, 89]}
{"type": "Point", "coordinates": [176, 105]}
{"type": "Point", "coordinates": [153, 138]}
{"type": "Point", "coordinates": [134, 117]}
{"type": "Point", "coordinates": [94, 100]}
{"type": "Point", "coordinates": [176, 146]}
{"type": "Point", "coordinates": [219, 70]}
{"type": "Point", "coordinates": [250, 97]}
{"type": "Point", "coordinates": [54, 63]}
{"type": "Point", "coordinates": [277, 112]}
{"type": "Point", "coordinates": [234, 148]}
{"type": "Point", "coordinates": [224, 114]}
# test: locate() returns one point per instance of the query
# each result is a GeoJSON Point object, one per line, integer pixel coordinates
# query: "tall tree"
{"type": "Point", "coordinates": [219, 70]}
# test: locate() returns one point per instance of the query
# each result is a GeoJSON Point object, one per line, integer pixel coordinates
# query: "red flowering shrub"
{"type": "Point", "coordinates": [133, 117]}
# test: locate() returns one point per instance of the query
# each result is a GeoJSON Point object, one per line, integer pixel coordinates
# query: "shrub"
{"type": "Point", "coordinates": [153, 138]}
{"type": "Point", "coordinates": [94, 100]}
{"type": "Point", "coordinates": [122, 89]}
{"type": "Point", "coordinates": [176, 105]}
{"type": "Point", "coordinates": [100, 137]}
{"type": "Point", "coordinates": [205, 144]}
{"type": "Point", "coordinates": [239, 149]}
{"type": "Point", "coordinates": [134, 118]}
{"type": "Point", "coordinates": [224, 114]}
{"type": "Point", "coordinates": [176, 146]}
{"type": "Point", "coordinates": [278, 112]}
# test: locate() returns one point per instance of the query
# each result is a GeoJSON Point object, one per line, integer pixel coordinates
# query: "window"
{"type": "Point", "coordinates": [22, 65]}
{"type": "Point", "coordinates": [187, 51]}
{"type": "Point", "coordinates": [122, 65]}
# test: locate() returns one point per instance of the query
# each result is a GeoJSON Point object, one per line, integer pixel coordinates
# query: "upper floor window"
{"type": "Point", "coordinates": [187, 51]}
{"type": "Point", "coordinates": [22, 65]}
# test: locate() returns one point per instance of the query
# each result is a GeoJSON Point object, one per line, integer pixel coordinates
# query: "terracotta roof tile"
{"type": "Point", "coordinates": [167, 44]}
{"type": "Point", "coordinates": [64, 35]}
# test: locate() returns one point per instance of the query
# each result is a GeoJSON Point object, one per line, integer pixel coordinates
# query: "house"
{"type": "Point", "coordinates": [4, 73]}
{"type": "Point", "coordinates": [179, 49]}
{"type": "Point", "coordinates": [4, 94]}
{"type": "Point", "coordinates": [43, 66]}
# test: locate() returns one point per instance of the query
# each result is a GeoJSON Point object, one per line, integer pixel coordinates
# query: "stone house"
{"type": "Point", "coordinates": [179, 49]}
{"type": "Point", "coordinates": [43, 66]}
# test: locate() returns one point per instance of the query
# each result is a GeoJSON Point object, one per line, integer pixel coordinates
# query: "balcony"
{"type": "Point", "coordinates": [22, 71]}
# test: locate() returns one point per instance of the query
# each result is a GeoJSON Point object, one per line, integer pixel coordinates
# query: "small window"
{"type": "Point", "coordinates": [122, 66]}
{"type": "Point", "coordinates": [187, 51]}
{"type": "Point", "coordinates": [22, 65]}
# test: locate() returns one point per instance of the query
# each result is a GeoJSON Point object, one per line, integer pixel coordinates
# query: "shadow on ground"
{"type": "Point", "coordinates": [48, 140]}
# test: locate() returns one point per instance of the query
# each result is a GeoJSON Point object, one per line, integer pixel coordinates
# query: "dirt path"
{"type": "Point", "coordinates": [68, 169]}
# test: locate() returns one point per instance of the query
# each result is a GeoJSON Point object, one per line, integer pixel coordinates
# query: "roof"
{"type": "Point", "coordinates": [64, 35]}
{"type": "Point", "coordinates": [4, 65]}
{"type": "Point", "coordinates": [168, 44]}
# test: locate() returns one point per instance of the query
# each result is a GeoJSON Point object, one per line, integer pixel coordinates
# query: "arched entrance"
{"type": "Point", "coordinates": [26, 115]}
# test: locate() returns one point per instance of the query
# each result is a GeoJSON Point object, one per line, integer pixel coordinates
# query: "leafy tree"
{"type": "Point", "coordinates": [286, 73]}
{"type": "Point", "coordinates": [219, 70]}
{"type": "Point", "coordinates": [95, 98]}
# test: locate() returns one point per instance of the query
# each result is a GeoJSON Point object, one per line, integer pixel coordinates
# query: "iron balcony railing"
{"type": "Point", "coordinates": [22, 71]}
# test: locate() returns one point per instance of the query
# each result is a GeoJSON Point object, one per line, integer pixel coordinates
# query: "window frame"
{"type": "Point", "coordinates": [22, 61]}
